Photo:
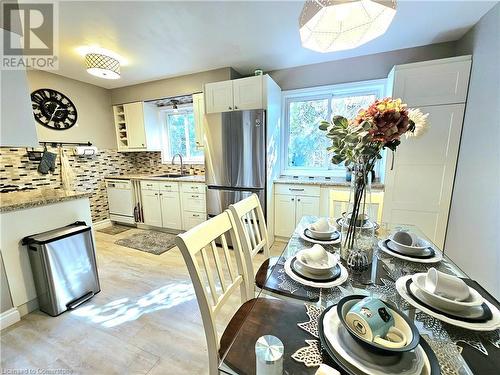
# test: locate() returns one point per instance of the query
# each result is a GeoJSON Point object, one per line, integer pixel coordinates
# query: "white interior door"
{"type": "Point", "coordinates": [418, 189]}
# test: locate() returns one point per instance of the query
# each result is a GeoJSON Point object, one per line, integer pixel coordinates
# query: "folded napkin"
{"type": "Point", "coordinates": [321, 225]}
{"type": "Point", "coordinates": [326, 370]}
{"type": "Point", "coordinates": [315, 256]}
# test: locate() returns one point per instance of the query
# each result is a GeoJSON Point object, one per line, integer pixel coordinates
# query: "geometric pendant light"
{"type": "Point", "coordinates": [335, 25]}
{"type": "Point", "coordinates": [102, 66]}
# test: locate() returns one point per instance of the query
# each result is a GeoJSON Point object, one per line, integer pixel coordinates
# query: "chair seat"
{"type": "Point", "coordinates": [258, 317]}
{"type": "Point", "coordinates": [268, 280]}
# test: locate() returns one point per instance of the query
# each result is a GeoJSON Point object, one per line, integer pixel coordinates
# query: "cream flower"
{"type": "Point", "coordinates": [420, 120]}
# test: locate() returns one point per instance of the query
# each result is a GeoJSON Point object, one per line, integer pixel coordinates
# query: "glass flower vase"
{"type": "Point", "coordinates": [358, 230]}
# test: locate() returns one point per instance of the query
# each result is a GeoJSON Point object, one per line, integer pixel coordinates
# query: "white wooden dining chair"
{"type": "Point", "coordinates": [252, 230]}
{"type": "Point", "coordinates": [212, 292]}
{"type": "Point", "coordinates": [339, 202]}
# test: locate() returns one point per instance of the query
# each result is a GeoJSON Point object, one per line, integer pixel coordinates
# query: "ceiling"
{"type": "Point", "coordinates": [164, 39]}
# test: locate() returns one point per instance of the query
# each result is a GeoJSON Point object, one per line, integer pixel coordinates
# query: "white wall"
{"type": "Point", "coordinates": [93, 104]}
{"type": "Point", "coordinates": [472, 240]}
{"type": "Point", "coordinates": [360, 68]}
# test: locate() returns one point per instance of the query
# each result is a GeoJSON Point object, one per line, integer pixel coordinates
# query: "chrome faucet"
{"type": "Point", "coordinates": [182, 164]}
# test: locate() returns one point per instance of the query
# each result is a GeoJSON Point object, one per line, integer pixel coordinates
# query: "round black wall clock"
{"type": "Point", "coordinates": [53, 109]}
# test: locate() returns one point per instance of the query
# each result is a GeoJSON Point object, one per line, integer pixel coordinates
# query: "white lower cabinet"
{"type": "Point", "coordinates": [193, 205]}
{"type": "Point", "coordinates": [284, 215]}
{"type": "Point", "coordinates": [192, 219]}
{"type": "Point", "coordinates": [161, 204]}
{"type": "Point", "coordinates": [291, 203]}
{"type": "Point", "coordinates": [171, 210]}
{"type": "Point", "coordinates": [173, 205]}
{"type": "Point", "coordinates": [151, 207]}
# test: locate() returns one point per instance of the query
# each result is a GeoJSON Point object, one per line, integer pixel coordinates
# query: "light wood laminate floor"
{"type": "Point", "coordinates": [145, 320]}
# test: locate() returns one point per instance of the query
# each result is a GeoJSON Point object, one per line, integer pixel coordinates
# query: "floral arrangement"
{"type": "Point", "coordinates": [379, 126]}
{"type": "Point", "coordinates": [358, 143]}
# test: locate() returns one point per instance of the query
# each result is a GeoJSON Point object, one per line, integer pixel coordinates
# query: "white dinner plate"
{"type": "Point", "coordinates": [490, 325]}
{"type": "Point", "coordinates": [313, 240]}
{"type": "Point", "coordinates": [438, 255]}
{"type": "Point", "coordinates": [316, 284]}
{"type": "Point", "coordinates": [475, 299]}
{"type": "Point", "coordinates": [414, 362]}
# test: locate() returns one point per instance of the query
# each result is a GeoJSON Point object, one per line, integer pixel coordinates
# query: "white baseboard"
{"type": "Point", "coordinates": [9, 317]}
{"type": "Point", "coordinates": [102, 224]}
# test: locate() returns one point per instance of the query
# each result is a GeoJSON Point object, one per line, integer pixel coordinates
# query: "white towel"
{"type": "Point", "coordinates": [67, 174]}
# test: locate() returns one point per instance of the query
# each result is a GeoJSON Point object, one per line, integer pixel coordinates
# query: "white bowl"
{"type": "Point", "coordinates": [474, 300]}
{"type": "Point", "coordinates": [333, 259]}
{"type": "Point", "coordinates": [410, 250]}
{"type": "Point", "coordinates": [322, 235]}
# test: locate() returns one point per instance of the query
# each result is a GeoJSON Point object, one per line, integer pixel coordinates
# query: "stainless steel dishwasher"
{"type": "Point", "coordinates": [64, 267]}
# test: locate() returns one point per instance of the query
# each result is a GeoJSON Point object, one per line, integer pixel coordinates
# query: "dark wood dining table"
{"type": "Point", "coordinates": [290, 311]}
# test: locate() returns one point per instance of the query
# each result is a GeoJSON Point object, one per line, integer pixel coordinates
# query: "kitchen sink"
{"type": "Point", "coordinates": [172, 175]}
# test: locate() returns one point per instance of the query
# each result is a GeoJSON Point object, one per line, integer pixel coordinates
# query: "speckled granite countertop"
{"type": "Point", "coordinates": [332, 181]}
{"type": "Point", "coordinates": [194, 178]}
{"type": "Point", "coordinates": [19, 200]}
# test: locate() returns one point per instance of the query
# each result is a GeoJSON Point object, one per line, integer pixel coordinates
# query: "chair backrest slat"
{"type": "Point", "coordinates": [251, 225]}
{"type": "Point", "coordinates": [218, 266]}
{"type": "Point", "coordinates": [208, 273]}
{"type": "Point", "coordinates": [199, 242]}
{"type": "Point", "coordinates": [257, 230]}
{"type": "Point", "coordinates": [229, 265]}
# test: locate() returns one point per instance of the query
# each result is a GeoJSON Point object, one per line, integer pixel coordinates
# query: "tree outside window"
{"type": "Point", "coordinates": [180, 136]}
{"type": "Point", "coordinates": [305, 145]}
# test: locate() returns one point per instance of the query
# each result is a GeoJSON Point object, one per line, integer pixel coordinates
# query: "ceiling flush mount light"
{"type": "Point", "coordinates": [335, 25]}
{"type": "Point", "coordinates": [102, 66]}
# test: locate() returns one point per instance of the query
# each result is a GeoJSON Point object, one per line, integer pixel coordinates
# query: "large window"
{"type": "Point", "coordinates": [304, 146]}
{"type": "Point", "coordinates": [179, 136]}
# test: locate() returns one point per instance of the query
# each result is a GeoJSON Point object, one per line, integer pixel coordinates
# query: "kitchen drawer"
{"type": "Point", "coordinates": [193, 188]}
{"type": "Point", "coordinates": [193, 202]}
{"type": "Point", "coordinates": [305, 190]}
{"type": "Point", "coordinates": [192, 219]}
{"type": "Point", "coordinates": [150, 185]}
{"type": "Point", "coordinates": [169, 186]}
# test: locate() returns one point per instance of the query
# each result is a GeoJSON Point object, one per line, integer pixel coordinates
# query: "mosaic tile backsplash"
{"type": "Point", "coordinates": [17, 169]}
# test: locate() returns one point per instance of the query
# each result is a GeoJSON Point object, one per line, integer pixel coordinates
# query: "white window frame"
{"type": "Point", "coordinates": [166, 153]}
{"type": "Point", "coordinates": [377, 87]}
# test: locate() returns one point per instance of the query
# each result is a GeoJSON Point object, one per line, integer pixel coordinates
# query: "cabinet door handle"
{"type": "Point", "coordinates": [293, 199]}
{"type": "Point", "coordinates": [295, 189]}
{"type": "Point", "coordinates": [162, 194]}
{"type": "Point", "coordinates": [298, 200]}
{"type": "Point", "coordinates": [196, 215]}
{"type": "Point", "coordinates": [195, 196]}
{"type": "Point", "coordinates": [235, 107]}
{"type": "Point", "coordinates": [230, 108]}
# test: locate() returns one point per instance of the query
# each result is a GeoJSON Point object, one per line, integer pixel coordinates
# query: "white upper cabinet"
{"type": "Point", "coordinates": [137, 127]}
{"type": "Point", "coordinates": [219, 96]}
{"type": "Point", "coordinates": [134, 116]}
{"type": "Point", "coordinates": [235, 95]}
{"type": "Point", "coordinates": [199, 118]}
{"type": "Point", "coordinates": [443, 81]}
{"type": "Point", "coordinates": [18, 125]}
{"type": "Point", "coordinates": [247, 93]}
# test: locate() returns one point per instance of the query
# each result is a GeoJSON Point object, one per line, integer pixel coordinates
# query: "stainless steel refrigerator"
{"type": "Point", "coordinates": [235, 159]}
